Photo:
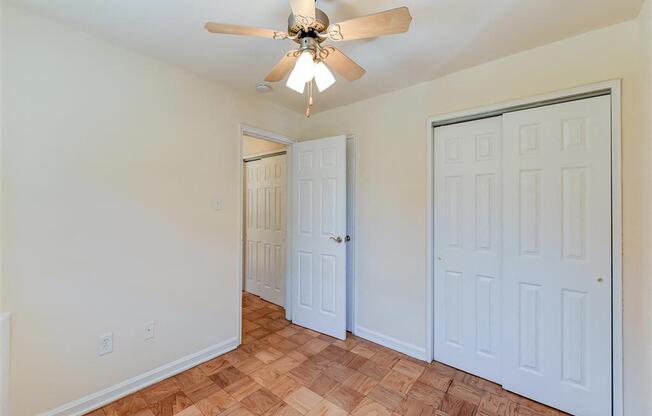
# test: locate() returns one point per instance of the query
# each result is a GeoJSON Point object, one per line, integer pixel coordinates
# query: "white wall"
{"type": "Point", "coordinates": [112, 165]}
{"type": "Point", "coordinates": [391, 207]}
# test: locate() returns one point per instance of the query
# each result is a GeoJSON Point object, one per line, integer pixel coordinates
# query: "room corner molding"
{"type": "Point", "coordinates": [101, 398]}
{"type": "Point", "coordinates": [412, 350]}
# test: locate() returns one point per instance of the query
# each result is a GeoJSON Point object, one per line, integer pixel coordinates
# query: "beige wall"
{"type": "Point", "coordinates": [253, 146]}
{"type": "Point", "coordinates": [391, 209]}
{"type": "Point", "coordinates": [112, 166]}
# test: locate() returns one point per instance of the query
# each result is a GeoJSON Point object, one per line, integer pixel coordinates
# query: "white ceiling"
{"type": "Point", "coordinates": [446, 36]}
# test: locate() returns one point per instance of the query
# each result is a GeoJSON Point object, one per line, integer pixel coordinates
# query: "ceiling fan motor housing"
{"type": "Point", "coordinates": [302, 27]}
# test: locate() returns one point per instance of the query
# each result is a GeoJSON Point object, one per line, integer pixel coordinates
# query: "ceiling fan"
{"type": "Point", "coordinates": [310, 27]}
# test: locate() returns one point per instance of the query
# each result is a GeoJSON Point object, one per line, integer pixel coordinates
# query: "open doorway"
{"type": "Point", "coordinates": [270, 193]}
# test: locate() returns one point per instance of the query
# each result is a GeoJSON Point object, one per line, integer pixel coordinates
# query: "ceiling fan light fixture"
{"type": "Point", "coordinates": [296, 82]}
{"type": "Point", "coordinates": [323, 77]}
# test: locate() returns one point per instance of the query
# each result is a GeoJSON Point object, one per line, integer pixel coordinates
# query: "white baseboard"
{"type": "Point", "coordinates": [5, 331]}
{"type": "Point", "coordinates": [101, 398]}
{"type": "Point", "coordinates": [386, 341]}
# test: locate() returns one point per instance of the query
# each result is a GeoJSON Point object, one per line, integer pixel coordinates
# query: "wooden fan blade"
{"type": "Point", "coordinates": [244, 30]}
{"type": "Point", "coordinates": [303, 8]}
{"type": "Point", "coordinates": [282, 68]}
{"type": "Point", "coordinates": [384, 23]}
{"type": "Point", "coordinates": [342, 64]}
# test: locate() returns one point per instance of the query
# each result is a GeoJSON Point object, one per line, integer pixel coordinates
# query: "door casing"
{"type": "Point", "coordinates": [611, 88]}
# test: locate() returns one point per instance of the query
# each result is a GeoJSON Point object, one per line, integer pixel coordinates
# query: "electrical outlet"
{"type": "Point", "coordinates": [149, 330]}
{"type": "Point", "coordinates": [105, 344]}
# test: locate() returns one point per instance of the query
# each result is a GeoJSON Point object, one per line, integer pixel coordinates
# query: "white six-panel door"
{"type": "Point", "coordinates": [467, 246]}
{"type": "Point", "coordinates": [319, 231]}
{"type": "Point", "coordinates": [265, 228]}
{"type": "Point", "coordinates": [557, 255]}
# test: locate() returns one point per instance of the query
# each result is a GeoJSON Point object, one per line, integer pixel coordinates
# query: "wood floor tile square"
{"type": "Point", "coordinates": [326, 408]}
{"type": "Point", "coordinates": [454, 406]}
{"type": "Point", "coordinates": [312, 347]}
{"type": "Point", "coordinates": [98, 412]}
{"type": "Point", "coordinates": [287, 332]}
{"type": "Point", "coordinates": [201, 391]}
{"type": "Point", "coordinates": [283, 410]}
{"type": "Point", "coordinates": [323, 385]}
{"type": "Point", "coordinates": [368, 407]}
{"type": "Point", "coordinates": [190, 411]}
{"type": "Point", "coordinates": [171, 405]}
{"type": "Point", "coordinates": [300, 338]}
{"type": "Point", "coordinates": [126, 406]}
{"type": "Point", "coordinates": [364, 349]}
{"type": "Point", "coordinates": [268, 355]}
{"type": "Point", "coordinates": [345, 397]}
{"type": "Point", "coordinates": [391, 399]}
{"type": "Point", "coordinates": [465, 392]}
{"type": "Point", "coordinates": [160, 390]}
{"type": "Point", "coordinates": [374, 370]}
{"type": "Point", "coordinates": [249, 365]}
{"type": "Point", "coordinates": [236, 356]}
{"type": "Point", "coordinates": [214, 366]}
{"type": "Point", "coordinates": [283, 365]}
{"type": "Point", "coordinates": [305, 373]}
{"type": "Point", "coordinates": [284, 386]}
{"type": "Point", "coordinates": [242, 388]}
{"type": "Point", "coordinates": [191, 378]}
{"type": "Point", "coordinates": [361, 383]}
{"type": "Point", "coordinates": [409, 368]}
{"type": "Point", "coordinates": [493, 405]}
{"type": "Point", "coordinates": [339, 372]}
{"type": "Point", "coordinates": [216, 403]}
{"type": "Point", "coordinates": [434, 378]}
{"type": "Point", "coordinates": [260, 401]}
{"type": "Point", "coordinates": [415, 407]}
{"type": "Point", "coordinates": [303, 400]}
{"type": "Point", "coordinates": [265, 376]}
{"type": "Point", "coordinates": [426, 394]}
{"type": "Point", "coordinates": [227, 376]}
{"type": "Point", "coordinates": [398, 381]}
{"type": "Point", "coordinates": [332, 352]}
{"type": "Point", "coordinates": [237, 410]}
{"type": "Point", "coordinates": [386, 358]}
{"type": "Point", "coordinates": [351, 360]}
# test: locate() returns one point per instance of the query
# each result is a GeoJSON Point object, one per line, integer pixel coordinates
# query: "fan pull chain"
{"type": "Point", "coordinates": [311, 100]}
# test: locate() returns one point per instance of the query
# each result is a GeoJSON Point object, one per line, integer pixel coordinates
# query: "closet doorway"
{"type": "Point", "coordinates": [525, 248]}
{"type": "Point", "coordinates": [265, 196]}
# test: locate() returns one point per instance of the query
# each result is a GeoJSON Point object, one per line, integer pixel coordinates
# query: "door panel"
{"type": "Point", "coordinates": [319, 209]}
{"type": "Point", "coordinates": [265, 231]}
{"type": "Point", "coordinates": [467, 246]}
{"type": "Point", "coordinates": [557, 247]}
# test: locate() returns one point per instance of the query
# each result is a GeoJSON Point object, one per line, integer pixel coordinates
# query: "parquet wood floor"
{"type": "Point", "coordinates": [284, 370]}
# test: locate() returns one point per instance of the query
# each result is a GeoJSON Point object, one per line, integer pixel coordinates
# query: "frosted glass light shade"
{"type": "Point", "coordinates": [323, 77]}
{"type": "Point", "coordinates": [305, 66]}
{"type": "Point", "coordinates": [295, 82]}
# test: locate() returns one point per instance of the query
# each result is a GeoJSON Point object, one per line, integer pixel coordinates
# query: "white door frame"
{"type": "Point", "coordinates": [613, 88]}
{"type": "Point", "coordinates": [278, 138]}
{"type": "Point", "coordinates": [257, 133]}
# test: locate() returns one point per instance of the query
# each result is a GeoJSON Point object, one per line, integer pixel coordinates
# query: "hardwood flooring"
{"type": "Point", "coordinates": [284, 370]}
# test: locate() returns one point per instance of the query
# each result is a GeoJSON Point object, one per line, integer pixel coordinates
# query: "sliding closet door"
{"type": "Point", "coordinates": [557, 255]}
{"type": "Point", "coordinates": [265, 220]}
{"type": "Point", "coordinates": [467, 246]}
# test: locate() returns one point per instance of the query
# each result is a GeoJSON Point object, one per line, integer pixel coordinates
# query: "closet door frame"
{"type": "Point", "coordinates": [611, 88]}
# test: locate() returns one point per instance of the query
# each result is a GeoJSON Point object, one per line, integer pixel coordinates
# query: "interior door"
{"type": "Point", "coordinates": [468, 246]}
{"type": "Point", "coordinates": [319, 235]}
{"type": "Point", "coordinates": [265, 233]}
{"type": "Point", "coordinates": [557, 255]}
